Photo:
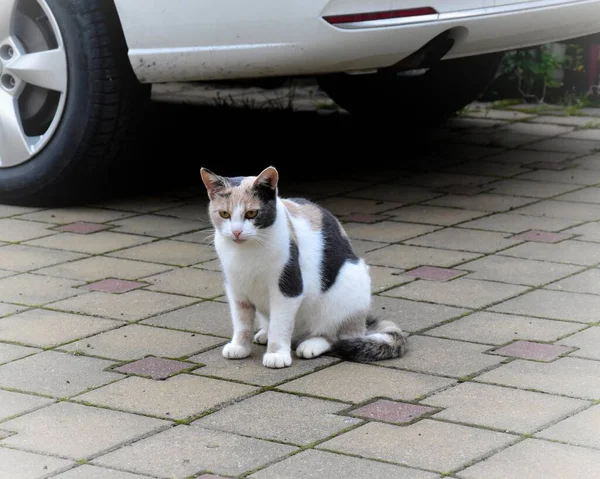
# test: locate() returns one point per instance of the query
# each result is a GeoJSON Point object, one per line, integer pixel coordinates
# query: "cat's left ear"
{"type": "Point", "coordinates": [269, 177]}
{"type": "Point", "coordinates": [214, 183]}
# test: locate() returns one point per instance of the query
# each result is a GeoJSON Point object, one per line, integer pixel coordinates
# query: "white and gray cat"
{"type": "Point", "coordinates": [289, 265]}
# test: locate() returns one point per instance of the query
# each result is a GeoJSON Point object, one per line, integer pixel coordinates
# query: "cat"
{"type": "Point", "coordinates": [289, 265]}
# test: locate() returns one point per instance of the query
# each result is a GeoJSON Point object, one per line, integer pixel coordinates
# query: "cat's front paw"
{"type": "Point", "coordinates": [277, 360]}
{"type": "Point", "coordinates": [261, 336]}
{"type": "Point", "coordinates": [236, 351]}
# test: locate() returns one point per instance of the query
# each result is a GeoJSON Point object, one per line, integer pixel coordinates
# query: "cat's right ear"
{"type": "Point", "coordinates": [214, 183]}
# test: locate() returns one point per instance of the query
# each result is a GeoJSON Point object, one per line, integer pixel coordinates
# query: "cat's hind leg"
{"type": "Point", "coordinates": [313, 347]}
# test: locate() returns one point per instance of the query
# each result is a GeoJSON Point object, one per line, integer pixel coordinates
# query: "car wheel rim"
{"type": "Point", "coordinates": [33, 79]}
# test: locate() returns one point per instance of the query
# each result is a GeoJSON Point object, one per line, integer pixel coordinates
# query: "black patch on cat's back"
{"type": "Point", "coordinates": [337, 250]}
{"type": "Point", "coordinates": [290, 280]}
{"type": "Point", "coordinates": [267, 213]}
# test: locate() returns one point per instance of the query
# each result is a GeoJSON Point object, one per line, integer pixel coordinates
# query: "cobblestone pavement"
{"type": "Point", "coordinates": [112, 320]}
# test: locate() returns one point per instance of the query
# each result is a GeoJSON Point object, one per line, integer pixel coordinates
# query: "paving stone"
{"type": "Point", "coordinates": [484, 202]}
{"type": "Point", "coordinates": [587, 341]}
{"type": "Point", "coordinates": [408, 257]}
{"type": "Point", "coordinates": [465, 240]}
{"type": "Point", "coordinates": [565, 145]}
{"type": "Point", "coordinates": [469, 293]}
{"type": "Point", "coordinates": [360, 248]}
{"type": "Point", "coordinates": [142, 204]}
{"type": "Point", "coordinates": [363, 218]}
{"type": "Point", "coordinates": [443, 357]}
{"type": "Point", "coordinates": [383, 278]}
{"type": "Point", "coordinates": [393, 411]}
{"type": "Point", "coordinates": [18, 257]}
{"type": "Point", "coordinates": [352, 382]}
{"type": "Point", "coordinates": [13, 230]}
{"type": "Point", "coordinates": [585, 195]}
{"type": "Point", "coordinates": [554, 305]}
{"type": "Point", "coordinates": [582, 429]}
{"type": "Point", "coordinates": [587, 232]}
{"type": "Point", "coordinates": [500, 139]}
{"type": "Point", "coordinates": [492, 168]}
{"type": "Point", "coordinates": [83, 228]}
{"type": "Point", "coordinates": [536, 458]}
{"type": "Point", "coordinates": [499, 114]}
{"type": "Point", "coordinates": [63, 216]}
{"type": "Point", "coordinates": [447, 179]}
{"type": "Point", "coordinates": [155, 368]}
{"type": "Point", "coordinates": [516, 223]}
{"type": "Point", "coordinates": [516, 270]}
{"type": "Point", "coordinates": [281, 417]}
{"type": "Point", "coordinates": [534, 189]}
{"type": "Point", "coordinates": [568, 376]}
{"type": "Point", "coordinates": [526, 157]}
{"type": "Point", "coordinates": [6, 309]}
{"type": "Point", "coordinates": [594, 112]}
{"type": "Point", "coordinates": [395, 193]}
{"type": "Point", "coordinates": [202, 237]}
{"type": "Point", "coordinates": [533, 351]}
{"type": "Point", "coordinates": [26, 465]}
{"type": "Point", "coordinates": [136, 341]}
{"type": "Point", "coordinates": [427, 444]}
{"type": "Point", "coordinates": [550, 165]}
{"type": "Point", "coordinates": [566, 120]}
{"type": "Point", "coordinates": [179, 397]}
{"type": "Point", "coordinates": [569, 251]}
{"type": "Point", "coordinates": [132, 306]}
{"type": "Point", "coordinates": [188, 281]}
{"type": "Point", "coordinates": [574, 176]}
{"type": "Point", "coordinates": [93, 472]}
{"type": "Point", "coordinates": [98, 243]}
{"type": "Point", "coordinates": [208, 317]}
{"type": "Point", "coordinates": [538, 129]}
{"type": "Point", "coordinates": [56, 374]}
{"type": "Point", "coordinates": [36, 290]}
{"type": "Point", "coordinates": [326, 187]}
{"type": "Point", "coordinates": [42, 328]}
{"type": "Point", "coordinates": [13, 404]}
{"type": "Point", "coordinates": [585, 282]}
{"type": "Point", "coordinates": [387, 231]}
{"type": "Point", "coordinates": [464, 152]}
{"type": "Point", "coordinates": [590, 162]}
{"type": "Point", "coordinates": [586, 134]}
{"type": "Point", "coordinates": [313, 464]}
{"type": "Point", "coordinates": [493, 328]}
{"type": "Point", "coordinates": [465, 190]}
{"type": "Point", "coordinates": [99, 267]}
{"type": "Point", "coordinates": [113, 285]}
{"type": "Point", "coordinates": [171, 252]}
{"type": "Point", "coordinates": [10, 210]}
{"type": "Point", "coordinates": [434, 215]}
{"type": "Point", "coordinates": [542, 236]}
{"type": "Point", "coordinates": [58, 430]}
{"type": "Point", "coordinates": [346, 206]}
{"type": "Point", "coordinates": [251, 370]}
{"type": "Point", "coordinates": [192, 449]}
{"type": "Point", "coordinates": [10, 352]}
{"type": "Point", "coordinates": [563, 209]}
{"type": "Point", "coordinates": [432, 273]}
{"type": "Point", "coordinates": [158, 226]}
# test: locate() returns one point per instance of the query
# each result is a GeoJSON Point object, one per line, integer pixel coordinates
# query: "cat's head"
{"type": "Point", "coordinates": [242, 206]}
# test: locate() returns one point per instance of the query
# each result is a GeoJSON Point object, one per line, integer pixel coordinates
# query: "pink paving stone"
{"type": "Point", "coordinates": [392, 411]}
{"type": "Point", "coordinates": [156, 368]}
{"type": "Point", "coordinates": [542, 236]}
{"type": "Point", "coordinates": [83, 228]}
{"type": "Point", "coordinates": [363, 218]}
{"type": "Point", "coordinates": [112, 285]}
{"type": "Point", "coordinates": [433, 273]}
{"type": "Point", "coordinates": [531, 350]}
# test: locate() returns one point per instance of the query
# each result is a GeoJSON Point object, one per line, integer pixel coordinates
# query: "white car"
{"type": "Point", "coordinates": [75, 74]}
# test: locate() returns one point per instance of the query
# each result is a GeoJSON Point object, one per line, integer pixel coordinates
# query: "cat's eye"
{"type": "Point", "coordinates": [251, 214]}
{"type": "Point", "coordinates": [224, 214]}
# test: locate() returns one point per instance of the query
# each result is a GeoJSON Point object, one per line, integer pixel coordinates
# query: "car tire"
{"type": "Point", "coordinates": [422, 100]}
{"type": "Point", "coordinates": [103, 104]}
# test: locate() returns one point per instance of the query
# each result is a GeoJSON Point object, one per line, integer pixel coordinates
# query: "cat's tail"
{"type": "Point", "coordinates": [383, 340]}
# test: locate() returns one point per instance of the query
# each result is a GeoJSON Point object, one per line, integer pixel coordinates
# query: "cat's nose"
{"type": "Point", "coordinates": [236, 233]}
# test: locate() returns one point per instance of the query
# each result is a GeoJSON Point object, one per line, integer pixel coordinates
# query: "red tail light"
{"type": "Point", "coordinates": [385, 15]}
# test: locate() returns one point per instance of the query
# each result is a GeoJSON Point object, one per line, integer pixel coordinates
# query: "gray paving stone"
{"type": "Point", "coordinates": [251, 370]}
{"type": "Point", "coordinates": [553, 305]}
{"type": "Point", "coordinates": [170, 252]}
{"type": "Point", "coordinates": [525, 157]}
{"type": "Point", "coordinates": [281, 417]}
{"type": "Point", "coordinates": [464, 240]}
{"type": "Point", "coordinates": [499, 114]}
{"type": "Point", "coordinates": [383, 278]}
{"type": "Point", "coordinates": [427, 444]}
{"type": "Point", "coordinates": [9, 210]}
{"type": "Point", "coordinates": [10, 352]}
{"type": "Point", "coordinates": [208, 317]}
{"type": "Point", "coordinates": [569, 251]}
{"type": "Point", "coordinates": [97, 243]}
{"type": "Point", "coordinates": [497, 329]}
{"type": "Point", "coordinates": [188, 281]}
{"type": "Point", "coordinates": [36, 290]}
{"type": "Point", "coordinates": [93, 472]}
{"type": "Point", "coordinates": [158, 226]}
{"type": "Point", "coordinates": [434, 215]}
{"type": "Point", "coordinates": [22, 258]}
{"type": "Point", "coordinates": [313, 464]}
{"type": "Point", "coordinates": [26, 465]}
{"type": "Point", "coordinates": [445, 179]}
{"type": "Point", "coordinates": [566, 120]}
{"type": "Point", "coordinates": [395, 193]}
{"type": "Point", "coordinates": [131, 306]}
{"type": "Point", "coordinates": [586, 341]}
{"type": "Point", "coordinates": [444, 357]}
{"type": "Point", "coordinates": [345, 206]}
{"type": "Point", "coordinates": [531, 128]}
{"type": "Point", "coordinates": [41, 328]}
{"type": "Point", "coordinates": [469, 293]}
{"type": "Point", "coordinates": [58, 430]}
{"type": "Point", "coordinates": [179, 397]}
{"type": "Point", "coordinates": [387, 231]}
{"type": "Point", "coordinates": [356, 383]}
{"type": "Point", "coordinates": [63, 216]}
{"type": "Point", "coordinates": [13, 404]}
{"type": "Point", "coordinates": [514, 223]}
{"type": "Point", "coordinates": [566, 145]}
{"type": "Point", "coordinates": [201, 237]}
{"type": "Point", "coordinates": [505, 409]}
{"type": "Point", "coordinates": [360, 247]}
{"type": "Point", "coordinates": [582, 429]}
{"type": "Point", "coordinates": [567, 376]}
{"type": "Point", "coordinates": [55, 374]}
{"type": "Point", "coordinates": [484, 202]}
{"type": "Point", "coordinates": [14, 229]}
{"type": "Point", "coordinates": [136, 341]}
{"type": "Point", "coordinates": [517, 271]}
{"type": "Point", "coordinates": [585, 134]}
{"type": "Point", "coordinates": [6, 309]}
{"type": "Point", "coordinates": [563, 209]}
{"type": "Point", "coordinates": [409, 257]}
{"type": "Point", "coordinates": [192, 449]}
{"type": "Point", "coordinates": [526, 188]}
{"type": "Point", "coordinates": [536, 458]}
{"type": "Point", "coordinates": [585, 282]}
{"type": "Point", "coordinates": [586, 232]}
{"type": "Point", "coordinates": [585, 195]}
